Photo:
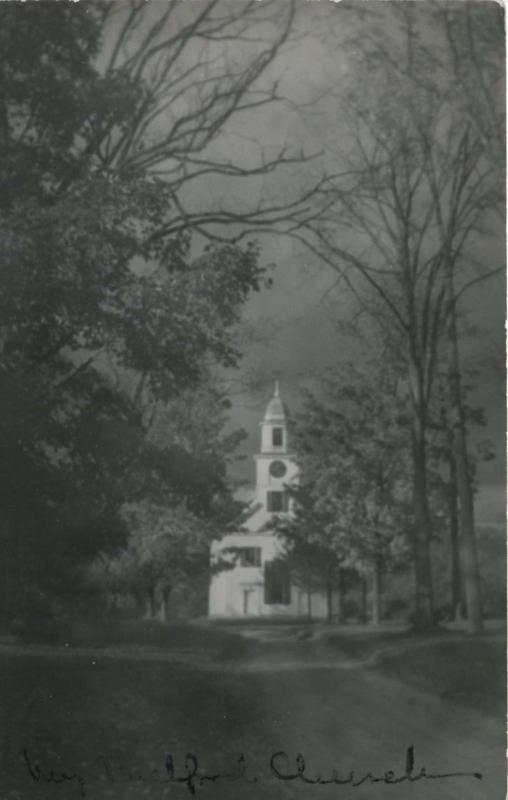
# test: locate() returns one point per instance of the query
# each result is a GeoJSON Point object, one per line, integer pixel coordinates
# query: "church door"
{"type": "Point", "coordinates": [246, 601]}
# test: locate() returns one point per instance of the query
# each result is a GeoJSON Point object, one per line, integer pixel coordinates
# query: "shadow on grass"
{"type": "Point", "coordinates": [174, 635]}
{"type": "Point", "coordinates": [465, 671]}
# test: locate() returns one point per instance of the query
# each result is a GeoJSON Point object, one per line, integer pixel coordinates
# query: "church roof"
{"type": "Point", "coordinates": [275, 408]}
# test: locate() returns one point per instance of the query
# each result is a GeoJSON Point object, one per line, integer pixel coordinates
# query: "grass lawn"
{"type": "Point", "coordinates": [221, 641]}
{"type": "Point", "coordinates": [456, 667]}
{"type": "Point", "coordinates": [471, 672]}
{"type": "Point", "coordinates": [119, 719]}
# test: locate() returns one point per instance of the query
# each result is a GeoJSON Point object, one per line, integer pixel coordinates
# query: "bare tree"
{"type": "Point", "coordinates": [414, 188]}
{"type": "Point", "coordinates": [189, 70]}
{"type": "Point", "coordinates": [475, 41]}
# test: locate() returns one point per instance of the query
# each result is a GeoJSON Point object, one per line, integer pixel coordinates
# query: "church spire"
{"type": "Point", "coordinates": [275, 408]}
{"type": "Point", "coordinates": [273, 426]}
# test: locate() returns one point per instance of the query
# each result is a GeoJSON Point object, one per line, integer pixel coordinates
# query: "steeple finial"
{"type": "Point", "coordinates": [276, 392]}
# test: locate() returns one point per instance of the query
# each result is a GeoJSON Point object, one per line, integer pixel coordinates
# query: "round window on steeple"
{"type": "Point", "coordinates": [277, 469]}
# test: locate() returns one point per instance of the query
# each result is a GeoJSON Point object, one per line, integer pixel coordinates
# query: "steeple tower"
{"type": "Point", "coordinates": [274, 465]}
{"type": "Point", "coordinates": [273, 426]}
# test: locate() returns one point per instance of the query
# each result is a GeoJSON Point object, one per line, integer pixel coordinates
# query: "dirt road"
{"type": "Point", "coordinates": [117, 727]}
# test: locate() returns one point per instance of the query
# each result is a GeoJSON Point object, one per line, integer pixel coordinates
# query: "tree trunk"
{"type": "Point", "coordinates": [364, 612]}
{"type": "Point", "coordinates": [329, 600]}
{"type": "Point", "coordinates": [455, 578]}
{"type": "Point", "coordinates": [469, 554]}
{"type": "Point", "coordinates": [111, 603]}
{"type": "Point", "coordinates": [309, 604]}
{"type": "Point", "coordinates": [376, 593]}
{"type": "Point", "coordinates": [340, 596]}
{"type": "Point", "coordinates": [424, 599]}
{"type": "Point", "coordinates": [150, 603]}
{"type": "Point", "coordinates": [164, 604]}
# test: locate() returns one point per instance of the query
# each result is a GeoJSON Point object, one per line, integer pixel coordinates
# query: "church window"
{"type": "Point", "coordinates": [249, 556]}
{"type": "Point", "coordinates": [277, 437]}
{"type": "Point", "coordinates": [276, 501]}
{"type": "Point", "coordinates": [277, 583]}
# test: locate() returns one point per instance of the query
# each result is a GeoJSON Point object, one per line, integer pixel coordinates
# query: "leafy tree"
{"type": "Point", "coordinates": [167, 546]}
{"type": "Point", "coordinates": [69, 417]}
{"type": "Point", "coordinates": [182, 500]}
{"type": "Point", "coordinates": [313, 555]}
{"type": "Point", "coordinates": [352, 501]}
{"type": "Point", "coordinates": [107, 306]}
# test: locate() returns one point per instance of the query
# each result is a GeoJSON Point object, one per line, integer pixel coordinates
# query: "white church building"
{"type": "Point", "coordinates": [258, 584]}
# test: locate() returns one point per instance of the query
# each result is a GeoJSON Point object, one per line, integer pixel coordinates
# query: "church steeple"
{"type": "Point", "coordinates": [274, 465]}
{"type": "Point", "coordinates": [273, 426]}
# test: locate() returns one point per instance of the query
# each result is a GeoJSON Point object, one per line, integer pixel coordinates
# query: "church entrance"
{"type": "Point", "coordinates": [248, 601]}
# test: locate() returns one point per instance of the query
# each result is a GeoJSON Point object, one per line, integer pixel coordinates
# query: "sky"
{"type": "Point", "coordinates": [291, 326]}
{"type": "Point", "coordinates": [289, 330]}
{"type": "Point", "coordinates": [296, 336]}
